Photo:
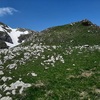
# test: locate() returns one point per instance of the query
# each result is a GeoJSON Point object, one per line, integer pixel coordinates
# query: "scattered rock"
{"type": "Point", "coordinates": [1, 72]}
{"type": "Point", "coordinates": [0, 95]}
{"type": "Point", "coordinates": [33, 74]}
{"type": "Point", "coordinates": [4, 78]}
{"type": "Point", "coordinates": [11, 66]}
{"type": "Point", "coordinates": [83, 95]}
{"type": "Point", "coordinates": [1, 62]}
{"type": "Point", "coordinates": [6, 98]}
{"type": "Point", "coordinates": [16, 85]}
{"type": "Point", "coordinates": [97, 91]}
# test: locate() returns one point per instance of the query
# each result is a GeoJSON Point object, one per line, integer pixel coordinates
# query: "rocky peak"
{"type": "Point", "coordinates": [86, 22]}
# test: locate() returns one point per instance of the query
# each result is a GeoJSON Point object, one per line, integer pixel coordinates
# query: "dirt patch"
{"type": "Point", "coordinates": [87, 74]}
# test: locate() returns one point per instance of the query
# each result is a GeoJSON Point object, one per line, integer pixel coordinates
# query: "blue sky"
{"type": "Point", "coordinates": [41, 14]}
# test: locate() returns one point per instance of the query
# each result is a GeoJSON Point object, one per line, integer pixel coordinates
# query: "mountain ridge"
{"type": "Point", "coordinates": [18, 35]}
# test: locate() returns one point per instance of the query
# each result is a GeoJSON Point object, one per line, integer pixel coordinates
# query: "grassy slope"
{"type": "Point", "coordinates": [77, 32]}
{"type": "Point", "coordinates": [79, 75]}
{"type": "Point", "coordinates": [75, 79]}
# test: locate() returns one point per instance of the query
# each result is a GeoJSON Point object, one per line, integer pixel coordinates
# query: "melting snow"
{"type": "Point", "coordinates": [14, 34]}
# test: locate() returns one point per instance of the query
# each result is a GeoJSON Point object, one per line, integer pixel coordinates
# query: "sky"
{"type": "Point", "coordinates": [41, 14]}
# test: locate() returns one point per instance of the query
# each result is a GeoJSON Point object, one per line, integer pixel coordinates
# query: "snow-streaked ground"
{"type": "Point", "coordinates": [14, 34]}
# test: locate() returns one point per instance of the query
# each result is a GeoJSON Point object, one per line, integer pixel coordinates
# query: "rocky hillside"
{"type": "Point", "coordinates": [11, 37]}
{"type": "Point", "coordinates": [59, 63]}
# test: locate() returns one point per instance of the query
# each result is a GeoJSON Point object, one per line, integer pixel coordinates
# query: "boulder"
{"type": "Point", "coordinates": [86, 22]}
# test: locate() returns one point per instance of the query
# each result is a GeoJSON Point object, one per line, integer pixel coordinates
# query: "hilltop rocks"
{"type": "Point", "coordinates": [86, 22]}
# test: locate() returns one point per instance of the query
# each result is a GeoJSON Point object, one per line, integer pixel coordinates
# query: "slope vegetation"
{"type": "Point", "coordinates": [59, 63]}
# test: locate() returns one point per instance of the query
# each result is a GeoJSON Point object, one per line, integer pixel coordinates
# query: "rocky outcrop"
{"type": "Point", "coordinates": [3, 45]}
{"type": "Point", "coordinates": [86, 22]}
{"type": "Point", "coordinates": [5, 37]}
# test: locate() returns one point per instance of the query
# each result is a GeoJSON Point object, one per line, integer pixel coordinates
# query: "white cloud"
{"type": "Point", "coordinates": [7, 11]}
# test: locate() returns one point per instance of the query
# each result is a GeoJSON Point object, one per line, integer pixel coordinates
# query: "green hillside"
{"type": "Point", "coordinates": [59, 63]}
{"type": "Point", "coordinates": [78, 33]}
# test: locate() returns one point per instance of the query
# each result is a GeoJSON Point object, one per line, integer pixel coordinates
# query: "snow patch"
{"type": "Point", "coordinates": [14, 34]}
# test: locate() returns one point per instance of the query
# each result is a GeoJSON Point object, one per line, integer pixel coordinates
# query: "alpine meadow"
{"type": "Point", "coordinates": [58, 63]}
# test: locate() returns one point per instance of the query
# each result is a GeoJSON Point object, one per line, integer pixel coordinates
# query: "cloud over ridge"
{"type": "Point", "coordinates": [7, 11]}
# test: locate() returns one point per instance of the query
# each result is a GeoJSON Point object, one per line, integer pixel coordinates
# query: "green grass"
{"type": "Point", "coordinates": [57, 80]}
{"type": "Point", "coordinates": [76, 32]}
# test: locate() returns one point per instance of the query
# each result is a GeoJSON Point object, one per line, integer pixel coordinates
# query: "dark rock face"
{"type": "Point", "coordinates": [5, 37]}
{"type": "Point", "coordinates": [4, 26]}
{"type": "Point", "coordinates": [24, 37]}
{"type": "Point", "coordinates": [86, 22]}
{"type": "Point", "coordinates": [3, 45]}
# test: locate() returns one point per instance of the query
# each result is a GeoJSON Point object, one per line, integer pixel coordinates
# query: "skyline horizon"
{"type": "Point", "coordinates": [39, 15]}
{"type": "Point", "coordinates": [50, 26]}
